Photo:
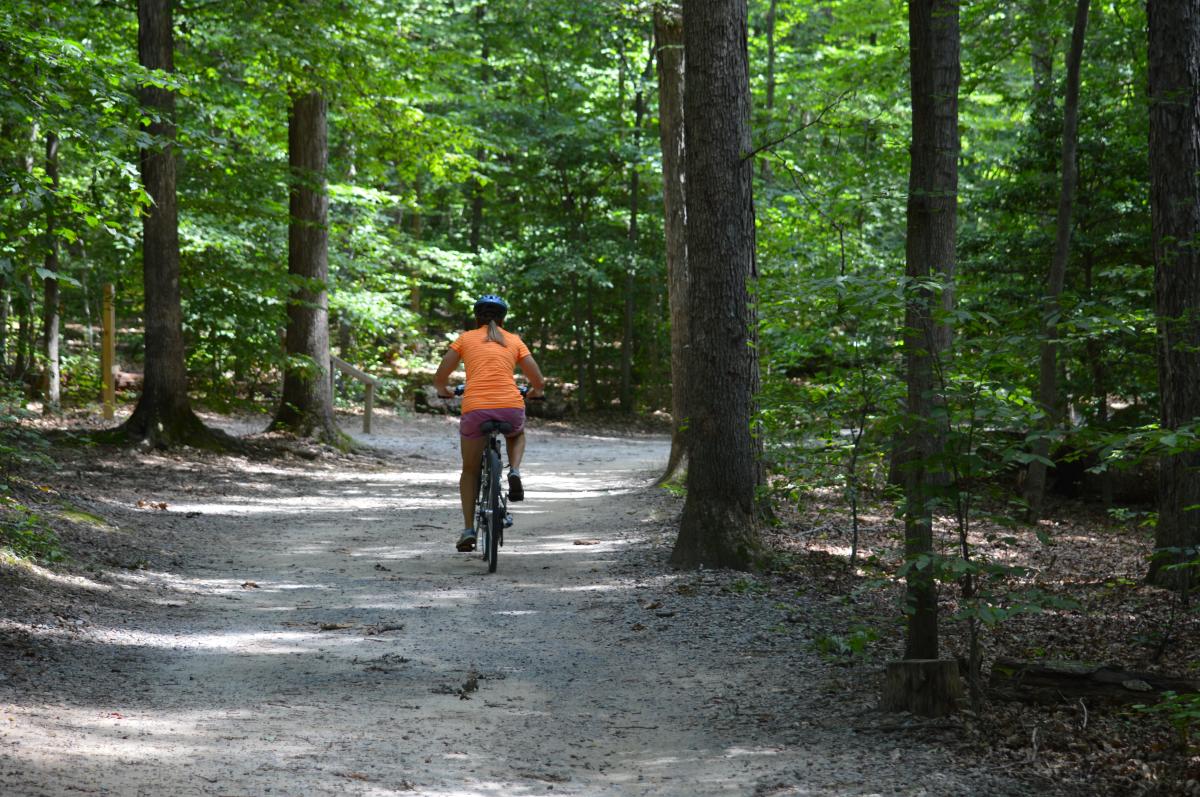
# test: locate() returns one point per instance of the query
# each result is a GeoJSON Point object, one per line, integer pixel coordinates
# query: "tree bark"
{"type": "Point", "coordinates": [1174, 65]}
{"type": "Point", "coordinates": [929, 252]}
{"type": "Point", "coordinates": [163, 416]}
{"type": "Point", "coordinates": [925, 687]}
{"type": "Point", "coordinates": [306, 408]}
{"type": "Point", "coordinates": [52, 386]}
{"type": "Point", "coordinates": [668, 34]}
{"type": "Point", "coordinates": [23, 360]}
{"type": "Point", "coordinates": [772, 12]}
{"type": "Point", "coordinates": [639, 111]}
{"type": "Point", "coordinates": [718, 527]}
{"type": "Point", "coordinates": [476, 232]}
{"type": "Point", "coordinates": [1048, 398]}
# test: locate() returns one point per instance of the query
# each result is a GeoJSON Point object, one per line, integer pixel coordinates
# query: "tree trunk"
{"type": "Point", "coordinates": [5, 308]}
{"type": "Point", "coordinates": [306, 408]}
{"type": "Point", "coordinates": [52, 386]}
{"type": "Point", "coordinates": [668, 34]}
{"type": "Point", "coordinates": [718, 527]}
{"type": "Point", "coordinates": [1035, 484]}
{"type": "Point", "coordinates": [639, 111]}
{"type": "Point", "coordinates": [772, 11]}
{"type": "Point", "coordinates": [929, 252]}
{"type": "Point", "coordinates": [1174, 61]}
{"type": "Point", "coordinates": [476, 233]}
{"type": "Point", "coordinates": [163, 416]}
{"type": "Point", "coordinates": [23, 360]}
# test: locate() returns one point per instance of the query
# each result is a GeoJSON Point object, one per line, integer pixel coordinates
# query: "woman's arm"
{"type": "Point", "coordinates": [441, 379]}
{"type": "Point", "coordinates": [537, 384]}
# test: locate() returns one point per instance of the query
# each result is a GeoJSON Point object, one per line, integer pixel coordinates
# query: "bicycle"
{"type": "Point", "coordinates": [491, 506]}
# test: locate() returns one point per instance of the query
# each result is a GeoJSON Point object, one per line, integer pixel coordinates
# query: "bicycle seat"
{"type": "Point", "coordinates": [503, 427]}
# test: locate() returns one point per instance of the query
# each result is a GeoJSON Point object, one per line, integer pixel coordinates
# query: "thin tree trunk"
{"type": "Point", "coordinates": [718, 527]}
{"type": "Point", "coordinates": [929, 252]}
{"type": "Point", "coordinates": [639, 111]}
{"type": "Point", "coordinates": [163, 416]}
{"type": "Point", "coordinates": [476, 234]}
{"type": "Point", "coordinates": [24, 355]}
{"type": "Point", "coordinates": [5, 307]}
{"type": "Point", "coordinates": [1094, 352]}
{"type": "Point", "coordinates": [1048, 398]}
{"type": "Point", "coordinates": [25, 334]}
{"type": "Point", "coordinates": [52, 385]}
{"type": "Point", "coordinates": [1174, 61]}
{"type": "Point", "coordinates": [772, 10]}
{"type": "Point", "coordinates": [668, 34]}
{"type": "Point", "coordinates": [306, 408]}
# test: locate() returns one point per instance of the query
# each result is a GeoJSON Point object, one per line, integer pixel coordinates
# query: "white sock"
{"type": "Point", "coordinates": [515, 472]}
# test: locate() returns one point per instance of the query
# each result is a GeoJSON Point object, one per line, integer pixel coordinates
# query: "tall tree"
{"type": "Point", "coordinates": [627, 327]}
{"type": "Point", "coordinates": [929, 256]}
{"type": "Point", "coordinates": [718, 526]}
{"type": "Point", "coordinates": [1174, 32]}
{"type": "Point", "coordinates": [306, 408]}
{"type": "Point", "coordinates": [668, 36]}
{"type": "Point", "coordinates": [1048, 396]}
{"type": "Point", "coordinates": [163, 416]}
{"type": "Point", "coordinates": [51, 388]}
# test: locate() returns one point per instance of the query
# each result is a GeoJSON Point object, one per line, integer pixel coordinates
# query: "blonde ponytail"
{"type": "Point", "coordinates": [494, 334]}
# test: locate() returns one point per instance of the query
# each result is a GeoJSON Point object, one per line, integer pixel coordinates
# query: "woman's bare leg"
{"type": "Point", "coordinates": [516, 449]}
{"type": "Point", "coordinates": [468, 482]}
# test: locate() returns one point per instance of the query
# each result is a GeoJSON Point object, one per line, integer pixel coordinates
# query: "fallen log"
{"type": "Point", "coordinates": [1053, 681]}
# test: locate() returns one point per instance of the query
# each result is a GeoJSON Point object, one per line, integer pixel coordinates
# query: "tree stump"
{"type": "Point", "coordinates": [927, 687]}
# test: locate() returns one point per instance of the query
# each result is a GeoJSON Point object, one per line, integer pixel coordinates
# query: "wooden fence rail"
{"type": "Point", "coordinates": [362, 376]}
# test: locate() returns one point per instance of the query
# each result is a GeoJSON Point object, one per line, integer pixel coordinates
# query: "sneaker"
{"type": "Point", "coordinates": [466, 543]}
{"type": "Point", "coordinates": [515, 491]}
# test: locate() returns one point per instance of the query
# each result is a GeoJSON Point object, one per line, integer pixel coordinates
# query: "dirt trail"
{"type": "Point", "coordinates": [319, 636]}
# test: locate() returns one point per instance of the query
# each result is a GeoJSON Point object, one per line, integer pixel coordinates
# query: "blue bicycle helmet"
{"type": "Point", "coordinates": [494, 304]}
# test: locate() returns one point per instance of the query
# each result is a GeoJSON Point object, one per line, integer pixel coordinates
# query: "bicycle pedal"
{"type": "Point", "coordinates": [508, 521]}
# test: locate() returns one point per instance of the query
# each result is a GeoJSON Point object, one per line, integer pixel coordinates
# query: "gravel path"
{"type": "Point", "coordinates": [317, 635]}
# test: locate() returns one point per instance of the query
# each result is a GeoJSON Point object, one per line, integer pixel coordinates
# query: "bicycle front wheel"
{"type": "Point", "coordinates": [495, 513]}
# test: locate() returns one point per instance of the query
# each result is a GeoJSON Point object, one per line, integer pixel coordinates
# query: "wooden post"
{"type": "Point", "coordinates": [368, 381]}
{"type": "Point", "coordinates": [108, 352]}
{"type": "Point", "coordinates": [369, 407]}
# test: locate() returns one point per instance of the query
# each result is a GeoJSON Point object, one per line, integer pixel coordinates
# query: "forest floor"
{"type": "Point", "coordinates": [300, 624]}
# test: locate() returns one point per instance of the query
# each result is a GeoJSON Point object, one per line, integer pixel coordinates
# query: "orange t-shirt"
{"type": "Point", "coordinates": [490, 383]}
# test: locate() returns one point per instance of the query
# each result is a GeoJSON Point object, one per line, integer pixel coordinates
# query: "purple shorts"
{"type": "Point", "coordinates": [468, 425]}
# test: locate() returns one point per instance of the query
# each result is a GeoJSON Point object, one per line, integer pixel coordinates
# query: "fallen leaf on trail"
{"type": "Point", "coordinates": [654, 605]}
{"type": "Point", "coordinates": [638, 627]}
{"type": "Point", "coordinates": [335, 626]}
{"type": "Point", "coordinates": [144, 504]}
{"type": "Point", "coordinates": [383, 629]}
{"type": "Point", "coordinates": [250, 585]}
{"type": "Point", "coordinates": [114, 715]}
{"type": "Point", "coordinates": [355, 776]}
{"type": "Point", "coordinates": [587, 542]}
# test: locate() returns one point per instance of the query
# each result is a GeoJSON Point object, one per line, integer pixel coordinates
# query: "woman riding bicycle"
{"type": "Point", "coordinates": [490, 354]}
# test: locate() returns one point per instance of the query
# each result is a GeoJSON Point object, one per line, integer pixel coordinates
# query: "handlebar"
{"type": "Point", "coordinates": [460, 389]}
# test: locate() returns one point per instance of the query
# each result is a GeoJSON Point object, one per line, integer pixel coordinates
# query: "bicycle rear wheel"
{"type": "Point", "coordinates": [495, 513]}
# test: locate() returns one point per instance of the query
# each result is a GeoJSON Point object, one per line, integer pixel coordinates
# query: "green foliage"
{"type": "Point", "coordinates": [854, 644]}
{"type": "Point", "coordinates": [1182, 711]}
{"type": "Point", "coordinates": [25, 533]}
{"type": "Point", "coordinates": [20, 446]}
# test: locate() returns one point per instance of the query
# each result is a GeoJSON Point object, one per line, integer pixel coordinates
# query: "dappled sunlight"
{"type": "Point", "coordinates": [61, 579]}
